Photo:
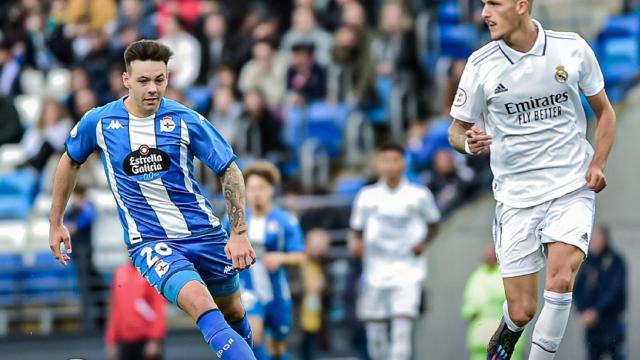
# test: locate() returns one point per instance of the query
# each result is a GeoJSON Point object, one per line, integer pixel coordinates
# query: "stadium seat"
{"type": "Point", "coordinates": [46, 281]}
{"type": "Point", "coordinates": [321, 121]}
{"type": "Point", "coordinates": [11, 155]}
{"type": "Point", "coordinates": [58, 84]}
{"type": "Point", "coordinates": [12, 241]}
{"type": "Point", "coordinates": [108, 238]}
{"type": "Point", "coordinates": [32, 82]}
{"type": "Point", "coordinates": [449, 13]}
{"type": "Point", "coordinates": [458, 41]}
{"type": "Point", "coordinates": [200, 97]}
{"type": "Point", "coordinates": [29, 108]}
{"type": "Point", "coordinates": [349, 185]}
{"type": "Point", "coordinates": [380, 114]}
{"type": "Point", "coordinates": [16, 192]}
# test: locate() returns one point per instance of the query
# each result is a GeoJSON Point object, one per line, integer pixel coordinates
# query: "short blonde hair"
{"type": "Point", "coordinates": [265, 170]}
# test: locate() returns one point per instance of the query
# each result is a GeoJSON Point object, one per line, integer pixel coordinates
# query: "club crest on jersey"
{"type": "Point", "coordinates": [561, 74]}
{"type": "Point", "coordinates": [161, 268]}
{"type": "Point", "coordinates": [146, 163]}
{"type": "Point", "coordinates": [461, 98]}
{"type": "Point", "coordinates": [167, 124]}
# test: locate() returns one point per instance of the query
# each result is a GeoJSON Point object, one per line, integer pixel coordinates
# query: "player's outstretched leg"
{"type": "Point", "coordinates": [401, 336]}
{"type": "Point", "coordinates": [234, 313]}
{"type": "Point", "coordinates": [517, 311]}
{"type": "Point", "coordinates": [194, 298]}
{"type": "Point", "coordinates": [562, 266]}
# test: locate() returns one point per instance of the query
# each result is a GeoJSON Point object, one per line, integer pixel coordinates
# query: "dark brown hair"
{"type": "Point", "coordinates": [265, 170]}
{"type": "Point", "coordinates": [146, 50]}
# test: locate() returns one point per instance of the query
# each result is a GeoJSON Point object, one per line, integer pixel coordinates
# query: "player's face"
{"type": "Point", "coordinates": [391, 165]}
{"type": "Point", "coordinates": [147, 82]}
{"type": "Point", "coordinates": [503, 16]}
{"type": "Point", "coordinates": [259, 191]}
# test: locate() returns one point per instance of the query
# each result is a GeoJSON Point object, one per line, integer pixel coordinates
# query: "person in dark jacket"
{"type": "Point", "coordinates": [600, 295]}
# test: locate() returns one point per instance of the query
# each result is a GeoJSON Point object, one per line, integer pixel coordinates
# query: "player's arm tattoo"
{"type": "Point", "coordinates": [234, 197]}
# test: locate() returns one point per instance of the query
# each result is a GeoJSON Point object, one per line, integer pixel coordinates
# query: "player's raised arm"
{"type": "Point", "coordinates": [65, 181]}
{"type": "Point", "coordinates": [238, 248]}
{"type": "Point", "coordinates": [605, 134]}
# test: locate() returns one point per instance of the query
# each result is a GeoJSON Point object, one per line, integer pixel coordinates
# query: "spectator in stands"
{"type": "Point", "coordinates": [267, 30]}
{"type": "Point", "coordinates": [305, 29]}
{"type": "Point", "coordinates": [482, 306]}
{"type": "Point", "coordinates": [394, 52]}
{"type": "Point", "coordinates": [38, 55]}
{"type": "Point", "coordinates": [137, 320]}
{"type": "Point", "coordinates": [116, 87]}
{"type": "Point", "coordinates": [98, 13]}
{"type": "Point", "coordinates": [226, 114]}
{"type": "Point", "coordinates": [451, 182]}
{"type": "Point", "coordinates": [242, 37]}
{"type": "Point", "coordinates": [306, 79]}
{"type": "Point", "coordinates": [83, 101]}
{"type": "Point", "coordinates": [79, 220]}
{"type": "Point", "coordinates": [11, 129]}
{"type": "Point", "coordinates": [56, 38]}
{"type": "Point", "coordinates": [48, 136]}
{"type": "Point", "coordinates": [351, 73]}
{"type": "Point", "coordinates": [184, 66]}
{"type": "Point", "coordinates": [262, 137]}
{"type": "Point", "coordinates": [10, 68]}
{"type": "Point", "coordinates": [226, 77]}
{"type": "Point", "coordinates": [215, 44]}
{"type": "Point", "coordinates": [600, 294]}
{"type": "Point", "coordinates": [136, 14]}
{"type": "Point", "coordinates": [314, 284]}
{"type": "Point", "coordinates": [97, 63]}
{"type": "Point", "coordinates": [266, 71]}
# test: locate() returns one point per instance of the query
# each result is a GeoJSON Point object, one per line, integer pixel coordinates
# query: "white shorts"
{"type": "Point", "coordinates": [382, 303]}
{"type": "Point", "coordinates": [519, 234]}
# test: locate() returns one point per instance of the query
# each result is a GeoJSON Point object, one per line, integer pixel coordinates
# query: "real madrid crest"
{"type": "Point", "coordinates": [561, 74]}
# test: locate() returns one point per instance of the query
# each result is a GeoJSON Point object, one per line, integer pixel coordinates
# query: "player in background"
{"type": "Point", "coordinates": [526, 86]}
{"type": "Point", "coordinates": [392, 223]}
{"type": "Point", "coordinates": [278, 242]}
{"type": "Point", "coordinates": [147, 144]}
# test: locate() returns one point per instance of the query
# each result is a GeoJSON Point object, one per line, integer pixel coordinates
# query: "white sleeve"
{"type": "Point", "coordinates": [357, 213]}
{"type": "Point", "coordinates": [468, 103]}
{"type": "Point", "coordinates": [591, 80]}
{"type": "Point", "coordinates": [428, 208]}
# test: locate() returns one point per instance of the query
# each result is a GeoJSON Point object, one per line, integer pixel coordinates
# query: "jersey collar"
{"type": "Point", "coordinates": [539, 48]}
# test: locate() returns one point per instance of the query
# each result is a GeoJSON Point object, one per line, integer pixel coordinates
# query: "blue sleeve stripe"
{"type": "Point", "coordinates": [226, 166]}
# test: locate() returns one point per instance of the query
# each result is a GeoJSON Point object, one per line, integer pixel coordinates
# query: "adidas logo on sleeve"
{"type": "Point", "coordinates": [500, 89]}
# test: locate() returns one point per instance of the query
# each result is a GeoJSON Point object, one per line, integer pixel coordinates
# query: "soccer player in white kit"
{"type": "Point", "coordinates": [526, 86]}
{"type": "Point", "coordinates": [392, 222]}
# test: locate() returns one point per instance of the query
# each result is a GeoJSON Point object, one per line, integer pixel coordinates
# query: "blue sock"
{"type": "Point", "coordinates": [225, 342]}
{"type": "Point", "coordinates": [261, 352]}
{"type": "Point", "coordinates": [243, 328]}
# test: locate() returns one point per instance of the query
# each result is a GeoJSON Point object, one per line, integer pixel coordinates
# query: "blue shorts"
{"type": "Point", "coordinates": [170, 264]}
{"type": "Point", "coordinates": [275, 314]}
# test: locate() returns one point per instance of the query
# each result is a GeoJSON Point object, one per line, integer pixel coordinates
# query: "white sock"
{"type": "Point", "coordinates": [401, 336]}
{"type": "Point", "coordinates": [377, 340]}
{"type": "Point", "coordinates": [507, 319]}
{"type": "Point", "coordinates": [549, 329]}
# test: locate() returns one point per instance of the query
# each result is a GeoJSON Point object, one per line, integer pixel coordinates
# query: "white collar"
{"type": "Point", "coordinates": [539, 47]}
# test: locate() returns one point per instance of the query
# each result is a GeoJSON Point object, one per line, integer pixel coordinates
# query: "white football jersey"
{"type": "Point", "coordinates": [530, 104]}
{"type": "Point", "coordinates": [393, 222]}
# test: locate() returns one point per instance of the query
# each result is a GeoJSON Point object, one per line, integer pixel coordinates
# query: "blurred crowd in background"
{"type": "Point", "coordinates": [310, 85]}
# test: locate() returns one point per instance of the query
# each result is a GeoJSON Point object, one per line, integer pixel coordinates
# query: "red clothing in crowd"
{"type": "Point", "coordinates": [138, 312]}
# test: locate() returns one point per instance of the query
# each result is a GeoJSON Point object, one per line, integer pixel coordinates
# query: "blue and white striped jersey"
{"type": "Point", "coordinates": [149, 167]}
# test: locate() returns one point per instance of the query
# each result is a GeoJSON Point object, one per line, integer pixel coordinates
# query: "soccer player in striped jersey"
{"type": "Point", "coordinates": [278, 241]}
{"type": "Point", "coordinates": [526, 85]}
{"type": "Point", "coordinates": [147, 144]}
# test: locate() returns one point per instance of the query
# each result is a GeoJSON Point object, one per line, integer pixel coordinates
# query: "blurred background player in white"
{"type": "Point", "coordinates": [392, 222]}
{"type": "Point", "coordinates": [278, 241]}
{"type": "Point", "coordinates": [526, 86]}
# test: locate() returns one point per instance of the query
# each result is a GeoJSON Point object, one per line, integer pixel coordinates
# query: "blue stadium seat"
{"type": "Point", "coordinates": [622, 25]}
{"type": "Point", "coordinates": [458, 41]}
{"type": "Point", "coordinates": [449, 13]}
{"type": "Point", "coordinates": [380, 114]}
{"type": "Point", "coordinates": [349, 186]}
{"type": "Point", "coordinates": [10, 265]}
{"type": "Point", "coordinates": [200, 97]}
{"type": "Point", "coordinates": [319, 120]}
{"type": "Point", "coordinates": [16, 193]}
{"type": "Point", "coordinates": [48, 282]}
